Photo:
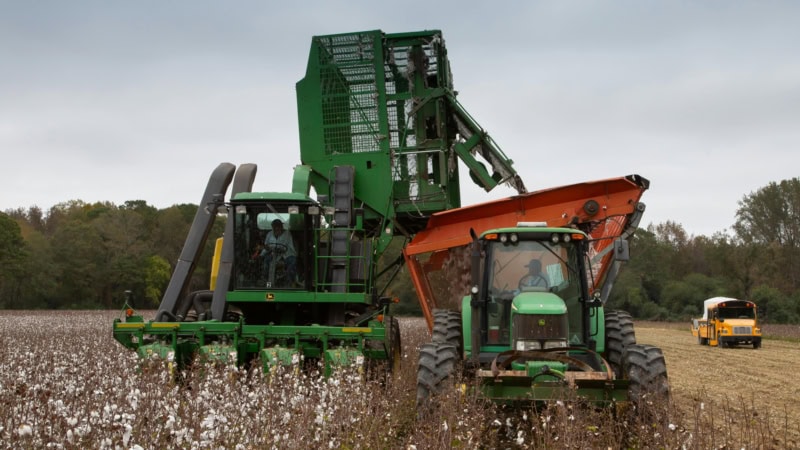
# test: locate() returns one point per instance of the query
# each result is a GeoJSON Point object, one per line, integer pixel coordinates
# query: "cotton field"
{"type": "Point", "coordinates": [65, 383]}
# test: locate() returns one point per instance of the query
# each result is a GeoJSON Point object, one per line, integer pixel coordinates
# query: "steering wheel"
{"type": "Point", "coordinates": [529, 281]}
{"type": "Point", "coordinates": [276, 248]}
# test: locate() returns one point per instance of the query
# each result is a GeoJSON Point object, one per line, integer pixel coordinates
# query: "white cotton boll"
{"type": "Point", "coordinates": [126, 436]}
{"type": "Point", "coordinates": [70, 436]}
{"type": "Point", "coordinates": [208, 422]}
{"type": "Point", "coordinates": [72, 421]}
{"type": "Point", "coordinates": [25, 430]}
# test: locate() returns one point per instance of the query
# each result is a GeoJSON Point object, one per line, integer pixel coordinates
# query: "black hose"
{"type": "Point", "coordinates": [195, 300]}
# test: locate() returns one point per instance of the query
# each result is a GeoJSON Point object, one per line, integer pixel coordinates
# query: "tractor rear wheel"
{"type": "Point", "coordinates": [437, 364]}
{"type": "Point", "coordinates": [646, 369]}
{"type": "Point", "coordinates": [447, 329]}
{"type": "Point", "coordinates": [619, 336]}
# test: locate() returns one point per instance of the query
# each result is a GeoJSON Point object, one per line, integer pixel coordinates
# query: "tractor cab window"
{"type": "Point", "coordinates": [271, 245]}
{"type": "Point", "coordinates": [529, 266]}
{"type": "Point", "coordinates": [538, 267]}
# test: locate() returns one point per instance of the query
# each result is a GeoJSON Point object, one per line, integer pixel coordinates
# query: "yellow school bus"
{"type": "Point", "coordinates": [727, 322]}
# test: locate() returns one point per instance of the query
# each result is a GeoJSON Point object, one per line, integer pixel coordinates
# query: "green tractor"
{"type": "Point", "coordinates": [530, 331]}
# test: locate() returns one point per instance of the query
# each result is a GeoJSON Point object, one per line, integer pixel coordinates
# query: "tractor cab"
{"type": "Point", "coordinates": [533, 290]}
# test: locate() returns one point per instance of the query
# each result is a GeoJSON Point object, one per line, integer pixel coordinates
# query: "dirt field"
{"type": "Point", "coordinates": [741, 379]}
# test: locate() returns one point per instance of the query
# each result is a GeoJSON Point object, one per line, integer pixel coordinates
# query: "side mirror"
{"type": "Point", "coordinates": [621, 250]}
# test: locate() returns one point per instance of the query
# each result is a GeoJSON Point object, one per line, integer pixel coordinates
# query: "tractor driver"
{"type": "Point", "coordinates": [278, 245]}
{"type": "Point", "coordinates": [534, 277]}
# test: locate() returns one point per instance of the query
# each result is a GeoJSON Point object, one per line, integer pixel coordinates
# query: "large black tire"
{"type": "Point", "coordinates": [619, 336]}
{"type": "Point", "coordinates": [447, 329]}
{"type": "Point", "coordinates": [394, 347]}
{"type": "Point", "coordinates": [437, 364]}
{"type": "Point", "coordinates": [646, 369]}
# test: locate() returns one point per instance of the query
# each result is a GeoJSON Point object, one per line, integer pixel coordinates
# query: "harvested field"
{"type": "Point", "coordinates": [748, 383]}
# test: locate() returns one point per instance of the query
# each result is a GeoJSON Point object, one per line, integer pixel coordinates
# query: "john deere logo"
{"type": "Point", "coordinates": [541, 322]}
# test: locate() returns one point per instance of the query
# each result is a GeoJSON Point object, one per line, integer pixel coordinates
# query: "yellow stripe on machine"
{"type": "Point", "coordinates": [165, 325]}
{"type": "Point", "coordinates": [356, 330]}
{"type": "Point", "coordinates": [129, 325]}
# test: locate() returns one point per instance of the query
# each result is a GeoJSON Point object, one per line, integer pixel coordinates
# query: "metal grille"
{"type": "Point", "coordinates": [403, 141]}
{"type": "Point", "coordinates": [742, 330]}
{"type": "Point", "coordinates": [349, 94]}
{"type": "Point", "coordinates": [538, 326]}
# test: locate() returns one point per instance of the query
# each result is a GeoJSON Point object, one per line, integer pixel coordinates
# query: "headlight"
{"type": "Point", "coordinates": [503, 238]}
{"type": "Point", "coordinates": [561, 343]}
{"type": "Point", "coordinates": [555, 238]}
{"type": "Point", "coordinates": [514, 238]}
{"type": "Point", "coordinates": [528, 345]}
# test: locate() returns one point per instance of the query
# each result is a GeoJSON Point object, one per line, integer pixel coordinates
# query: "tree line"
{"type": "Point", "coordinates": [82, 255]}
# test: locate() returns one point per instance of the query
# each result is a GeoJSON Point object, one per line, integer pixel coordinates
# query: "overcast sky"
{"type": "Point", "coordinates": [115, 101]}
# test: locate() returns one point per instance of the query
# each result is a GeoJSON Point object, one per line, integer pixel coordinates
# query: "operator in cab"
{"type": "Point", "coordinates": [278, 246]}
{"type": "Point", "coordinates": [534, 277]}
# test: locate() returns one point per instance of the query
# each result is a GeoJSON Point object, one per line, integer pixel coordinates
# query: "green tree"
{"type": "Point", "coordinates": [775, 307]}
{"type": "Point", "coordinates": [770, 219]}
{"type": "Point", "coordinates": [157, 275]}
{"type": "Point", "coordinates": [78, 260]}
{"type": "Point", "coordinates": [40, 285]}
{"type": "Point", "coordinates": [125, 249]}
{"type": "Point", "coordinates": [684, 298]}
{"type": "Point", "coordinates": [12, 260]}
